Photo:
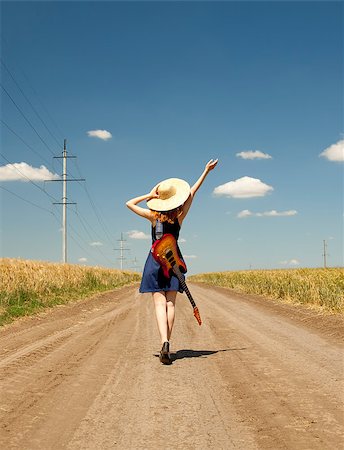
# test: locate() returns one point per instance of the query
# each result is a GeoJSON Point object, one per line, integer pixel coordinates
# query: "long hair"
{"type": "Point", "coordinates": [168, 216]}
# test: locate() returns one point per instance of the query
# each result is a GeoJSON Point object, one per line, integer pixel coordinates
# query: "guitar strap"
{"type": "Point", "coordinates": [159, 229]}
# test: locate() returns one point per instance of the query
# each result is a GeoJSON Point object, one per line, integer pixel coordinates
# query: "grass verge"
{"type": "Point", "coordinates": [27, 287]}
{"type": "Point", "coordinates": [321, 288]}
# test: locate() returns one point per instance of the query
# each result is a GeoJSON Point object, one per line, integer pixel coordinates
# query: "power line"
{"type": "Point", "coordinates": [80, 246]}
{"type": "Point", "coordinates": [83, 221]}
{"type": "Point", "coordinates": [27, 201]}
{"type": "Point", "coordinates": [93, 206]}
{"type": "Point", "coordinates": [24, 142]}
{"type": "Point", "coordinates": [87, 223]}
{"type": "Point", "coordinates": [31, 203]}
{"type": "Point", "coordinates": [61, 134]}
{"type": "Point", "coordinates": [4, 41]}
{"type": "Point", "coordinates": [84, 224]}
{"type": "Point", "coordinates": [32, 182]}
{"type": "Point", "coordinates": [56, 218]}
{"type": "Point", "coordinates": [73, 238]}
{"type": "Point", "coordinates": [64, 175]}
{"type": "Point", "coordinates": [58, 221]}
{"type": "Point", "coordinates": [26, 119]}
{"type": "Point", "coordinates": [98, 216]}
{"type": "Point", "coordinates": [28, 100]}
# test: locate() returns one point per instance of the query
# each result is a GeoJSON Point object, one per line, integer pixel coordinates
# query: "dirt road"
{"type": "Point", "coordinates": [256, 375]}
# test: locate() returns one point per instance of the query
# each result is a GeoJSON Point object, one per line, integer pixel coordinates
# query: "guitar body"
{"type": "Point", "coordinates": [165, 252]}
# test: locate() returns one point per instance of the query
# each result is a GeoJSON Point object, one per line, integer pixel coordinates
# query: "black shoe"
{"type": "Point", "coordinates": [164, 356]}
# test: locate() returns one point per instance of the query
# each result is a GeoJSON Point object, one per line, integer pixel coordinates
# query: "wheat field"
{"type": "Point", "coordinates": [320, 288]}
{"type": "Point", "coordinates": [27, 286]}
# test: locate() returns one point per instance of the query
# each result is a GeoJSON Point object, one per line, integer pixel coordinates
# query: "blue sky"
{"type": "Point", "coordinates": [175, 84]}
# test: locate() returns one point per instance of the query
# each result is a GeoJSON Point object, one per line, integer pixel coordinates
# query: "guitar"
{"type": "Point", "coordinates": [165, 252]}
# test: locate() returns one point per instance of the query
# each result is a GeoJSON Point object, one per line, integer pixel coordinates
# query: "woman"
{"type": "Point", "coordinates": [168, 203]}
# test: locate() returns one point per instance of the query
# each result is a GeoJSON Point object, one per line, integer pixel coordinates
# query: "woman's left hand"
{"type": "Point", "coordinates": [211, 164]}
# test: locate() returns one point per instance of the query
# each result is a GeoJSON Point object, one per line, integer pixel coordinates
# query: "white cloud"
{"type": "Point", "coordinates": [253, 154]}
{"type": "Point", "coordinates": [101, 134]}
{"type": "Point", "coordinates": [243, 214]}
{"type": "Point", "coordinates": [246, 213]}
{"type": "Point", "coordinates": [245, 187]}
{"type": "Point", "coordinates": [189, 256]}
{"type": "Point", "coordinates": [96, 244]}
{"type": "Point", "coordinates": [335, 152]}
{"type": "Point", "coordinates": [24, 172]}
{"type": "Point", "coordinates": [291, 262]}
{"type": "Point", "coordinates": [181, 240]}
{"type": "Point", "coordinates": [135, 234]}
{"type": "Point", "coordinates": [82, 260]}
{"type": "Point", "coordinates": [273, 213]}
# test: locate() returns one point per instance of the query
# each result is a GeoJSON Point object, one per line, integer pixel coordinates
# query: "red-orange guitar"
{"type": "Point", "coordinates": [165, 252]}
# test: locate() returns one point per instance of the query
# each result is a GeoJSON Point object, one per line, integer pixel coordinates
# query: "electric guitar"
{"type": "Point", "coordinates": [165, 252]}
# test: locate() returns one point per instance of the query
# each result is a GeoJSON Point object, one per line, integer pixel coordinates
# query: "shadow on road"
{"type": "Point", "coordinates": [181, 354]}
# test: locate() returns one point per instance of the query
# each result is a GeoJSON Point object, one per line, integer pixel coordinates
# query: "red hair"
{"type": "Point", "coordinates": [168, 216]}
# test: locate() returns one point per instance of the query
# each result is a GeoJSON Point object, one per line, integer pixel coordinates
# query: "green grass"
{"type": "Point", "coordinates": [28, 287]}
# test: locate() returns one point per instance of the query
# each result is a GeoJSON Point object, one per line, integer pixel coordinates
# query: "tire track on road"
{"type": "Point", "coordinates": [88, 377]}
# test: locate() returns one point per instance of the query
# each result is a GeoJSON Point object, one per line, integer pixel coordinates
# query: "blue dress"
{"type": "Point", "coordinates": [153, 279]}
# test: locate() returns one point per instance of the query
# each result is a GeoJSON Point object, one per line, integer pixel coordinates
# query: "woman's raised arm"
{"type": "Point", "coordinates": [143, 212]}
{"type": "Point", "coordinates": [208, 167]}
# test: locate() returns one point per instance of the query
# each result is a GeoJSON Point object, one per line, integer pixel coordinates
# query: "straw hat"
{"type": "Point", "coordinates": [172, 193]}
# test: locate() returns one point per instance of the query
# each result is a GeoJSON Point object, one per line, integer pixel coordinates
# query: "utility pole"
{"type": "Point", "coordinates": [64, 201]}
{"type": "Point", "coordinates": [121, 249]}
{"type": "Point", "coordinates": [135, 264]}
{"type": "Point", "coordinates": [325, 253]}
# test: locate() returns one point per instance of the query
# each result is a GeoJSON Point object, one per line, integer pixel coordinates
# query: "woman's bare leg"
{"type": "Point", "coordinates": [161, 314]}
{"type": "Point", "coordinates": [170, 302]}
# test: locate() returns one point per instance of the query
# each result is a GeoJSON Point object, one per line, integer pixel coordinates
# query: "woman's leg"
{"type": "Point", "coordinates": [161, 314]}
{"type": "Point", "coordinates": [170, 302]}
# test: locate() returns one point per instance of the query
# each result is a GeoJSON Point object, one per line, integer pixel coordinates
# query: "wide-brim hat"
{"type": "Point", "coordinates": [172, 192]}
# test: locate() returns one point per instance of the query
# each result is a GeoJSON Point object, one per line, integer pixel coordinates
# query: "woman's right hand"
{"type": "Point", "coordinates": [153, 193]}
{"type": "Point", "coordinates": [211, 165]}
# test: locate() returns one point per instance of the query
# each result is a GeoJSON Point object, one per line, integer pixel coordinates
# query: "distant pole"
{"type": "Point", "coordinates": [135, 264]}
{"type": "Point", "coordinates": [325, 253]}
{"type": "Point", "coordinates": [64, 203]}
{"type": "Point", "coordinates": [121, 249]}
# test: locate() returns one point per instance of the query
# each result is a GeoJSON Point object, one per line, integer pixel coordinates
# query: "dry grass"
{"type": "Point", "coordinates": [28, 286]}
{"type": "Point", "coordinates": [322, 288]}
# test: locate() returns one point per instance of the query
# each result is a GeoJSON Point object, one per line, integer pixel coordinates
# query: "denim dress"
{"type": "Point", "coordinates": [153, 279]}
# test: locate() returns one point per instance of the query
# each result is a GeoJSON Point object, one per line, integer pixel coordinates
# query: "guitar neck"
{"type": "Point", "coordinates": [184, 286]}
